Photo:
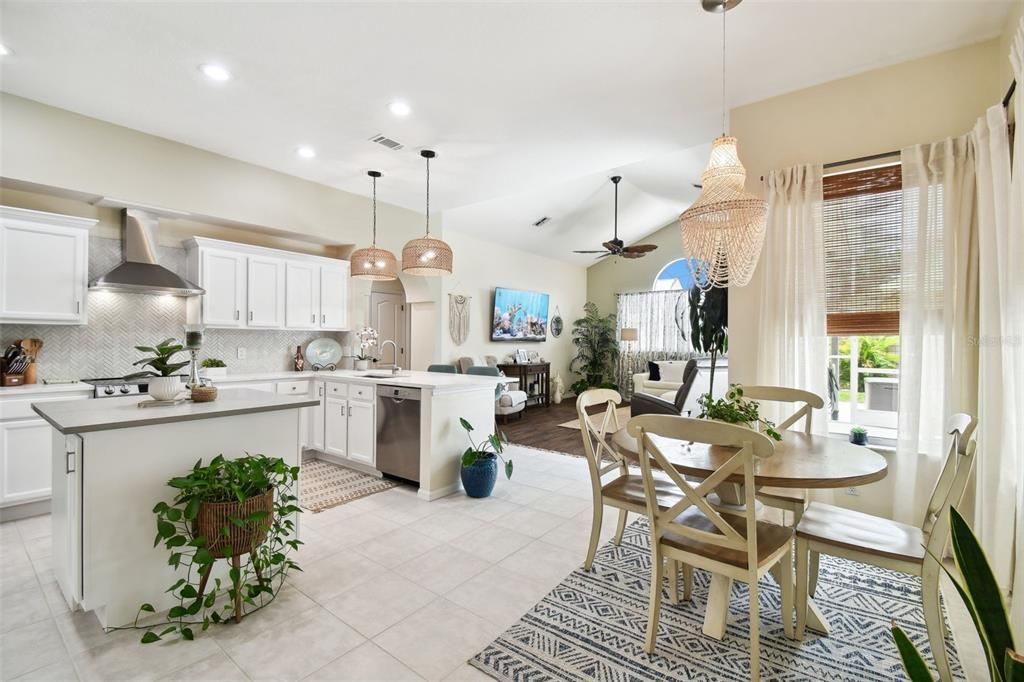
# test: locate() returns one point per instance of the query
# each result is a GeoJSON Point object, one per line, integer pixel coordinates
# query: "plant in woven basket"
{"type": "Point", "coordinates": [224, 510]}
{"type": "Point", "coordinates": [735, 409]}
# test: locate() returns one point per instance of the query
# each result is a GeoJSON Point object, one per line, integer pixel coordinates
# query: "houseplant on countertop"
{"type": "Point", "coordinates": [226, 509]}
{"type": "Point", "coordinates": [367, 339]}
{"type": "Point", "coordinates": [480, 462]}
{"type": "Point", "coordinates": [162, 385]}
{"type": "Point", "coordinates": [212, 367]}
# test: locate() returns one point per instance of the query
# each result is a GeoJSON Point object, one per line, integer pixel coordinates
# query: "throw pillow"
{"type": "Point", "coordinates": [672, 372]}
{"type": "Point", "coordinates": [653, 371]}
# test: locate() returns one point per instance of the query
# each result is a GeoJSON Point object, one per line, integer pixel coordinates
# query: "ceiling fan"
{"type": "Point", "coordinates": [615, 246]}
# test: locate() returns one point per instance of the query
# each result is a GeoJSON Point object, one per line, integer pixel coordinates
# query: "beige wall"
{"type": "Point", "coordinates": [923, 100]}
{"type": "Point", "coordinates": [479, 267]}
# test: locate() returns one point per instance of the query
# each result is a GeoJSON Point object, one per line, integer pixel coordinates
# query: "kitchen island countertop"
{"type": "Point", "coordinates": [436, 381]}
{"type": "Point", "coordinates": [83, 416]}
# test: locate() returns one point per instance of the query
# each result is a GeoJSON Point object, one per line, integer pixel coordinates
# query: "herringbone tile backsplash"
{"type": "Point", "coordinates": [105, 347]}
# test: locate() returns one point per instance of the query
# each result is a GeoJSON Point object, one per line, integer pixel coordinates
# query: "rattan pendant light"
{"type": "Point", "coordinates": [374, 264]}
{"type": "Point", "coordinates": [723, 231]}
{"type": "Point", "coordinates": [427, 256]}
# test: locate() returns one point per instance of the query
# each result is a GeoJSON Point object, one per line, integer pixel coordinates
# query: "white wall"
{"type": "Point", "coordinates": [481, 266]}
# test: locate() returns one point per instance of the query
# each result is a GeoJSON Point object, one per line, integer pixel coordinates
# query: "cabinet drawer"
{"type": "Point", "coordinates": [335, 389]}
{"type": "Point", "coordinates": [293, 387]}
{"type": "Point", "coordinates": [360, 392]}
{"type": "Point", "coordinates": [22, 407]}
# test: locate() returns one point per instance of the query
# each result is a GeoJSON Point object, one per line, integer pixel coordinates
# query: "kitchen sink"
{"type": "Point", "coordinates": [385, 375]}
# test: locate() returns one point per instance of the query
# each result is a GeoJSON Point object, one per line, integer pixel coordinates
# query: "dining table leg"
{"type": "Point", "coordinates": [716, 614]}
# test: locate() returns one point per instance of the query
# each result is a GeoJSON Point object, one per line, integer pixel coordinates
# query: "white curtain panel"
{"type": "Point", "coordinates": [1015, 344]}
{"type": "Point", "coordinates": [653, 315]}
{"type": "Point", "coordinates": [998, 345]}
{"type": "Point", "coordinates": [938, 313]}
{"type": "Point", "coordinates": [791, 344]}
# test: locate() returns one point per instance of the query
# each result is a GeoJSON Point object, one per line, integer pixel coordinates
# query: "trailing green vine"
{"type": "Point", "coordinates": [260, 578]}
{"type": "Point", "coordinates": [734, 409]}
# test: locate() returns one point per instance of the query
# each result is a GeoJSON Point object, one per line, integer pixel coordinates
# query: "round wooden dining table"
{"type": "Point", "coordinates": [800, 461]}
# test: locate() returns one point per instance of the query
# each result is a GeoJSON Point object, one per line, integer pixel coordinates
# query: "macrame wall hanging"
{"type": "Point", "coordinates": [458, 317]}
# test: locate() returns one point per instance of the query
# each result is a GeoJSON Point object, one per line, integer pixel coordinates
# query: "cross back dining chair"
{"type": "Point", "coordinates": [877, 541]}
{"type": "Point", "coordinates": [792, 500]}
{"type": "Point", "coordinates": [693, 531]}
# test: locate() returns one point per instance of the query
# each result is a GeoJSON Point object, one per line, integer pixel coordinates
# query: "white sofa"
{"type": "Point", "coordinates": [673, 379]}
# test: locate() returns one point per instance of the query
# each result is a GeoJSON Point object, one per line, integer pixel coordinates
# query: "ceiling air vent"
{"type": "Point", "coordinates": [393, 145]}
{"type": "Point", "coordinates": [542, 221]}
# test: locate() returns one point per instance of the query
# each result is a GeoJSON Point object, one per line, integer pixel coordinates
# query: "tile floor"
{"type": "Point", "coordinates": [393, 588]}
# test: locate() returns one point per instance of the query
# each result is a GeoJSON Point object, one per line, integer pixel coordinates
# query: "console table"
{"type": "Point", "coordinates": [523, 371]}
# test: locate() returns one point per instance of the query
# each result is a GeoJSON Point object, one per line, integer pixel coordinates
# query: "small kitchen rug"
{"type": "Point", "coordinates": [592, 625]}
{"type": "Point", "coordinates": [323, 485]}
{"type": "Point", "coordinates": [621, 412]}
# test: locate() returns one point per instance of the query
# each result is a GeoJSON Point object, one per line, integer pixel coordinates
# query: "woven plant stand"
{"type": "Point", "coordinates": [213, 516]}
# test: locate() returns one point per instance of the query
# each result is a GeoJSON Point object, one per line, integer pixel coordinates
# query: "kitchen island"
{"type": "Point", "coordinates": [111, 463]}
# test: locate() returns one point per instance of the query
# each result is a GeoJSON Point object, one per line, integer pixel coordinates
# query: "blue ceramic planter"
{"type": "Point", "coordinates": [859, 438]}
{"type": "Point", "coordinates": [479, 478]}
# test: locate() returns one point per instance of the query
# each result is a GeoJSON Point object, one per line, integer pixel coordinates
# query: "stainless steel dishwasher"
{"type": "Point", "coordinates": [398, 431]}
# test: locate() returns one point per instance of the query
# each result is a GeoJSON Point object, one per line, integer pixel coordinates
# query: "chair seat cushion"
{"type": "Point", "coordinates": [512, 398]}
{"type": "Point", "coordinates": [788, 496]}
{"type": "Point", "coordinates": [826, 524]}
{"type": "Point", "coordinates": [657, 387]}
{"type": "Point", "coordinates": [629, 489]}
{"type": "Point", "coordinates": [770, 538]}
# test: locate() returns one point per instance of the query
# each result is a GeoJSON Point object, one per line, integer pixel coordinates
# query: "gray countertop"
{"type": "Point", "coordinates": [104, 414]}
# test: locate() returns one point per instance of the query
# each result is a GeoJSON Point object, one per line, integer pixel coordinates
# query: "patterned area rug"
{"type": "Point", "coordinates": [591, 627]}
{"type": "Point", "coordinates": [621, 412]}
{"type": "Point", "coordinates": [323, 485]}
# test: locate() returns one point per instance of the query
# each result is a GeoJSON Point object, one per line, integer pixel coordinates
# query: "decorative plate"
{"type": "Point", "coordinates": [323, 351]}
{"type": "Point", "coordinates": [556, 326]}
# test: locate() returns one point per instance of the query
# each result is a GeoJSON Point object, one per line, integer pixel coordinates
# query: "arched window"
{"type": "Point", "coordinates": [675, 276]}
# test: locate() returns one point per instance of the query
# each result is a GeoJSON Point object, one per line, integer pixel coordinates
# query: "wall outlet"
{"type": "Point", "coordinates": [241, 353]}
{"type": "Point", "coordinates": [853, 490]}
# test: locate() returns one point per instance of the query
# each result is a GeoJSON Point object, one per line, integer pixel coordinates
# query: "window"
{"type": "Point", "coordinates": [862, 217]}
{"type": "Point", "coordinates": [675, 276]}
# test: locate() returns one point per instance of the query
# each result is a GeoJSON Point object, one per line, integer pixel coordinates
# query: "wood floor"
{"type": "Point", "coordinates": [539, 428]}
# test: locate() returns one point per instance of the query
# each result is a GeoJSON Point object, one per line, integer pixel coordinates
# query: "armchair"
{"type": "Point", "coordinates": [645, 403]}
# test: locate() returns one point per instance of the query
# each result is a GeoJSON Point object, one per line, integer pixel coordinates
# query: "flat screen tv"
{"type": "Point", "coordinates": [519, 315]}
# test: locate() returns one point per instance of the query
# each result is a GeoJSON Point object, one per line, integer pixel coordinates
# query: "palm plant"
{"type": "Point", "coordinates": [597, 349]}
{"type": "Point", "coordinates": [709, 324]}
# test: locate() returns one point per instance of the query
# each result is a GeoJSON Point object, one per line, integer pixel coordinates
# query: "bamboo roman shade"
{"type": "Point", "coordinates": [862, 218]}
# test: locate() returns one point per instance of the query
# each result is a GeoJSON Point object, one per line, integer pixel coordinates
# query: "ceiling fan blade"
{"type": "Point", "coordinates": [597, 251]}
{"type": "Point", "coordinates": [641, 248]}
{"type": "Point", "coordinates": [604, 255]}
{"type": "Point", "coordinates": [633, 254]}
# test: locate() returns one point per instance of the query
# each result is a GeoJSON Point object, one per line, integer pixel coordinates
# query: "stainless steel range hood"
{"type": "Point", "coordinates": [140, 273]}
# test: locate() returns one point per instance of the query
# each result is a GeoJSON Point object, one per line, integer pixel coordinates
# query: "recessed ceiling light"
{"type": "Point", "coordinates": [4, 51]}
{"type": "Point", "coordinates": [399, 108]}
{"type": "Point", "coordinates": [215, 72]}
{"type": "Point", "coordinates": [306, 152]}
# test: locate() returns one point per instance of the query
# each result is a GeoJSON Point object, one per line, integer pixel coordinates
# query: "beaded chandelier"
{"type": "Point", "coordinates": [373, 263]}
{"type": "Point", "coordinates": [723, 231]}
{"type": "Point", "coordinates": [426, 255]}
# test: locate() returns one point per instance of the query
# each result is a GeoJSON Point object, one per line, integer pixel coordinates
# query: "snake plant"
{"type": "Point", "coordinates": [980, 592]}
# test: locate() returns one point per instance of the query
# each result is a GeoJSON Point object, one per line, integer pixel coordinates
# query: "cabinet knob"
{"type": "Point", "coordinates": [236, 314]}
{"type": "Point", "coordinates": [250, 316]}
{"type": "Point", "coordinates": [71, 461]}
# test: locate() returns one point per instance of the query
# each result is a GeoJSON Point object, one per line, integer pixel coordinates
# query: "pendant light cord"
{"type": "Point", "coordinates": [375, 212]}
{"type": "Point", "coordinates": [724, 105]}
{"type": "Point", "coordinates": [616, 210]}
{"type": "Point", "coordinates": [428, 196]}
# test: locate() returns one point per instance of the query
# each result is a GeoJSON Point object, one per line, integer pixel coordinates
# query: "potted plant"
{"type": "Point", "coordinates": [597, 350]}
{"type": "Point", "coordinates": [983, 597]}
{"type": "Point", "coordinates": [367, 339]}
{"type": "Point", "coordinates": [735, 409]}
{"type": "Point", "coordinates": [859, 435]}
{"type": "Point", "coordinates": [224, 510]}
{"type": "Point", "coordinates": [709, 324]}
{"type": "Point", "coordinates": [162, 385]}
{"type": "Point", "coordinates": [212, 367]}
{"type": "Point", "coordinates": [480, 462]}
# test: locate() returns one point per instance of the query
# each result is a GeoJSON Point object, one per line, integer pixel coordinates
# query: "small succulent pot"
{"type": "Point", "coordinates": [479, 477]}
{"type": "Point", "coordinates": [859, 436]}
{"type": "Point", "coordinates": [164, 388]}
{"type": "Point", "coordinates": [362, 365]}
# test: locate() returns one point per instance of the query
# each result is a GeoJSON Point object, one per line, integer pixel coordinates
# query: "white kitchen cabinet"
{"type": "Point", "coordinates": [336, 426]}
{"type": "Point", "coordinates": [44, 267]}
{"type": "Point", "coordinates": [24, 461]}
{"type": "Point", "coordinates": [316, 421]}
{"type": "Point", "coordinates": [223, 275]}
{"type": "Point", "coordinates": [306, 413]}
{"type": "Point", "coordinates": [302, 298]}
{"type": "Point", "coordinates": [265, 292]}
{"type": "Point", "coordinates": [65, 457]}
{"type": "Point", "coordinates": [252, 287]}
{"type": "Point", "coordinates": [361, 432]}
{"type": "Point", "coordinates": [334, 296]}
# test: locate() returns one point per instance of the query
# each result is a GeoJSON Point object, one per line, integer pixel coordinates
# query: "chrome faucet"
{"type": "Point", "coordinates": [395, 369]}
